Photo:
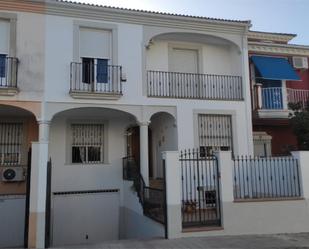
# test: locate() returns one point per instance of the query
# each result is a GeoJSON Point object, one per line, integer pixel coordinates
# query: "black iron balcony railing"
{"type": "Point", "coordinates": [92, 78]}
{"type": "Point", "coordinates": [8, 72]}
{"type": "Point", "coordinates": [194, 86]}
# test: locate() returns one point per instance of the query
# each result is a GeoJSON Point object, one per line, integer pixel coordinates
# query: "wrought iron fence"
{"type": "Point", "coordinates": [300, 96]}
{"type": "Point", "coordinates": [89, 78]}
{"type": "Point", "coordinates": [8, 72]}
{"type": "Point", "coordinates": [194, 86]}
{"type": "Point", "coordinates": [200, 189]}
{"type": "Point", "coordinates": [269, 177]}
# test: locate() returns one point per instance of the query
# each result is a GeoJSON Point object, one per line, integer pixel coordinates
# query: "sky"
{"type": "Point", "coordinates": [284, 16]}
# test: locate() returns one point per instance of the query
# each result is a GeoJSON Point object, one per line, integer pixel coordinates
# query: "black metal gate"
{"type": "Point", "coordinates": [200, 189]}
{"type": "Point", "coordinates": [48, 204]}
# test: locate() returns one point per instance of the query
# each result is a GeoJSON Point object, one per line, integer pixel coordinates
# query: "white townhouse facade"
{"type": "Point", "coordinates": [87, 88]}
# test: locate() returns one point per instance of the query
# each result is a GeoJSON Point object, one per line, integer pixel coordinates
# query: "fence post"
{"type": "Point", "coordinates": [303, 160]}
{"type": "Point", "coordinates": [225, 165]}
{"type": "Point", "coordinates": [173, 194]}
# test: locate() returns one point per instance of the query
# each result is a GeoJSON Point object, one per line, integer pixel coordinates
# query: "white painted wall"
{"type": "Point", "coordinates": [213, 59]}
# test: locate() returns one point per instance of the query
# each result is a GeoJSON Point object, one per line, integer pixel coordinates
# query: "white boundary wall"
{"type": "Point", "coordinates": [240, 218]}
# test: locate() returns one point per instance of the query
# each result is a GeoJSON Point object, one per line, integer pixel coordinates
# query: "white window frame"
{"type": "Point", "coordinates": [95, 25]}
{"type": "Point", "coordinates": [12, 18]}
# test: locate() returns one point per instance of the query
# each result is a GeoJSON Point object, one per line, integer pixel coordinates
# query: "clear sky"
{"type": "Point", "coordinates": [285, 16]}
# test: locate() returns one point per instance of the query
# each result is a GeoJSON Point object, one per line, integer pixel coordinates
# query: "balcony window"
{"type": "Point", "coordinates": [2, 65]}
{"type": "Point", "coordinates": [92, 67]}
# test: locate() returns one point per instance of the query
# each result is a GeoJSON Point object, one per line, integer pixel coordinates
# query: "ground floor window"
{"type": "Point", "coordinates": [215, 133]}
{"type": "Point", "coordinates": [87, 143]}
{"type": "Point", "coordinates": [11, 135]}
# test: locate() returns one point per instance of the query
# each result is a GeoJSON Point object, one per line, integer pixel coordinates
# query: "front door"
{"type": "Point", "coordinates": [133, 146]}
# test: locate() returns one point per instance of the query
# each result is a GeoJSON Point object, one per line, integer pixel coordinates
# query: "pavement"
{"type": "Point", "coordinates": [286, 241]}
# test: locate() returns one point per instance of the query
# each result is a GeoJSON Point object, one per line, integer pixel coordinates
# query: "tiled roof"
{"type": "Point", "coordinates": [273, 33]}
{"type": "Point", "coordinates": [155, 12]}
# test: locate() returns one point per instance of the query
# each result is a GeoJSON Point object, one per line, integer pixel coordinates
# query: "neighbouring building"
{"type": "Point", "coordinates": [279, 76]}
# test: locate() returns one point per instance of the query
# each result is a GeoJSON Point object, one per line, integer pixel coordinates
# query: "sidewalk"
{"type": "Point", "coordinates": [299, 241]}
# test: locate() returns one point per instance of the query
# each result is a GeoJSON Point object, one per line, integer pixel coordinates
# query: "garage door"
{"type": "Point", "coordinates": [85, 217]}
{"type": "Point", "coordinates": [12, 220]}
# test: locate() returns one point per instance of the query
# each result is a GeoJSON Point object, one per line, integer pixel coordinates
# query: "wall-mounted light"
{"type": "Point", "coordinates": [150, 43]}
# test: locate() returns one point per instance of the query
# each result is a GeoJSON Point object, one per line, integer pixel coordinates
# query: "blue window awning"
{"type": "Point", "coordinates": [273, 68]}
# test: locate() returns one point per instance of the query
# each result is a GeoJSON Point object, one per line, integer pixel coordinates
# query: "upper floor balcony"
{"type": "Point", "coordinates": [194, 66]}
{"type": "Point", "coordinates": [194, 86]}
{"type": "Point", "coordinates": [274, 101]}
{"type": "Point", "coordinates": [94, 78]}
{"type": "Point", "coordinates": [8, 75]}
{"type": "Point", "coordinates": [271, 94]}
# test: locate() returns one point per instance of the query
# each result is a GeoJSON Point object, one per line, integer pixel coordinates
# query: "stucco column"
{"type": "Point", "coordinates": [259, 99]}
{"type": "Point", "coordinates": [144, 151]}
{"type": "Point", "coordinates": [284, 96]}
{"type": "Point", "coordinates": [173, 193]}
{"type": "Point", "coordinates": [247, 93]}
{"type": "Point", "coordinates": [303, 159]}
{"type": "Point", "coordinates": [36, 237]}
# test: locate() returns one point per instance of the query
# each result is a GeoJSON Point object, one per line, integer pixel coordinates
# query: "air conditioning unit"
{"type": "Point", "coordinates": [300, 62]}
{"type": "Point", "coordinates": [13, 174]}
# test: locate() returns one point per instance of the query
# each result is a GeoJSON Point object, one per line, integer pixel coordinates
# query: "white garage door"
{"type": "Point", "coordinates": [85, 217]}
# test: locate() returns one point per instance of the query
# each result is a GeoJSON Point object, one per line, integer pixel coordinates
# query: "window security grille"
{"type": "Point", "coordinates": [10, 143]}
{"type": "Point", "coordinates": [87, 143]}
{"type": "Point", "coordinates": [215, 133]}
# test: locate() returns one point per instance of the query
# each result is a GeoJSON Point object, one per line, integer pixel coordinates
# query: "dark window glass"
{"type": "Point", "coordinates": [78, 154]}
{"type": "Point", "coordinates": [94, 154]}
{"type": "Point", "coordinates": [88, 70]}
{"type": "Point", "coordinates": [2, 65]}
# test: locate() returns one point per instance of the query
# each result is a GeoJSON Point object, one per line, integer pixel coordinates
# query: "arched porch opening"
{"type": "Point", "coordinates": [18, 129]}
{"type": "Point", "coordinates": [163, 137]}
{"type": "Point", "coordinates": [87, 146]}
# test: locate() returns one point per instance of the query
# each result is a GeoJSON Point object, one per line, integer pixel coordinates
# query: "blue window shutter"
{"type": "Point", "coordinates": [2, 65]}
{"type": "Point", "coordinates": [102, 71]}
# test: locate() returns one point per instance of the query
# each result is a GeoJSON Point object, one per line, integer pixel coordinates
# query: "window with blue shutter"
{"type": "Point", "coordinates": [2, 65]}
{"type": "Point", "coordinates": [102, 71]}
